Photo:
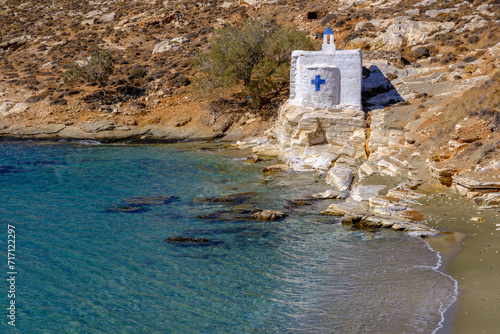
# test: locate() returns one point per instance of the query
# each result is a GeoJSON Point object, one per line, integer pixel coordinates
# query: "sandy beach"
{"type": "Point", "coordinates": [471, 252]}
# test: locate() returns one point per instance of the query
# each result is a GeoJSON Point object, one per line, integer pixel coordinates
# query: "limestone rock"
{"type": "Point", "coordinates": [94, 127]}
{"type": "Point", "coordinates": [88, 22]}
{"type": "Point", "coordinates": [385, 215]}
{"type": "Point", "coordinates": [346, 208]}
{"type": "Point", "coordinates": [495, 50]}
{"type": "Point", "coordinates": [413, 32]}
{"type": "Point", "coordinates": [435, 12]}
{"type": "Point", "coordinates": [16, 42]}
{"type": "Point", "coordinates": [267, 150]}
{"type": "Point", "coordinates": [389, 168]}
{"type": "Point", "coordinates": [44, 129]}
{"type": "Point", "coordinates": [365, 192]}
{"type": "Point", "coordinates": [328, 194]}
{"type": "Point", "coordinates": [443, 173]}
{"type": "Point", "coordinates": [6, 107]}
{"type": "Point", "coordinates": [268, 215]}
{"type": "Point", "coordinates": [313, 139]}
{"type": "Point", "coordinates": [94, 14]}
{"type": "Point", "coordinates": [108, 17]}
{"type": "Point", "coordinates": [226, 4]}
{"type": "Point", "coordinates": [471, 183]}
{"type": "Point", "coordinates": [275, 169]}
{"type": "Point", "coordinates": [10, 108]}
{"type": "Point", "coordinates": [367, 169]}
{"type": "Point", "coordinates": [340, 177]}
{"type": "Point", "coordinates": [170, 45]}
{"type": "Point", "coordinates": [489, 200]}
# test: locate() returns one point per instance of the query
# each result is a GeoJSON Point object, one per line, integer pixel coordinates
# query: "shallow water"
{"type": "Point", "coordinates": [84, 269]}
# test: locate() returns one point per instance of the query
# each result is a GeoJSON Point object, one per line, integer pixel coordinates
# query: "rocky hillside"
{"type": "Point", "coordinates": [431, 80]}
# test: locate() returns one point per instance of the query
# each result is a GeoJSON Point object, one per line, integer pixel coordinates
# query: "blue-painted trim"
{"type": "Point", "coordinates": [318, 82]}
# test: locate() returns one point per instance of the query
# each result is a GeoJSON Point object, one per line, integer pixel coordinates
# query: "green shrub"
{"type": "Point", "coordinates": [256, 56]}
{"type": "Point", "coordinates": [95, 70]}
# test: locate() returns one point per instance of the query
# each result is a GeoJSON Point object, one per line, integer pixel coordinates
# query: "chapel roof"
{"type": "Point", "coordinates": [328, 31]}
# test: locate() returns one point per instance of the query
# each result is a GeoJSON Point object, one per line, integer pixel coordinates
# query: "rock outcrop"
{"type": "Point", "coordinates": [310, 138]}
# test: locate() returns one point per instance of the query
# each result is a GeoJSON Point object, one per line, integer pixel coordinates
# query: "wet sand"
{"type": "Point", "coordinates": [470, 248]}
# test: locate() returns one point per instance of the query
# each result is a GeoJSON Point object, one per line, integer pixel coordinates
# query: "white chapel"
{"type": "Point", "coordinates": [326, 79]}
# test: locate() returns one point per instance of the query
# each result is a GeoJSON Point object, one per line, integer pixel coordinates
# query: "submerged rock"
{"type": "Point", "coordinates": [241, 214]}
{"type": "Point", "coordinates": [224, 215]}
{"type": "Point", "coordinates": [329, 194]}
{"type": "Point", "coordinates": [233, 198]}
{"type": "Point", "coordinates": [140, 204]}
{"type": "Point", "coordinates": [293, 203]}
{"type": "Point", "coordinates": [191, 241]}
{"type": "Point", "coordinates": [149, 200]}
{"type": "Point", "coordinates": [275, 169]}
{"type": "Point", "coordinates": [127, 209]}
{"type": "Point", "coordinates": [363, 215]}
{"type": "Point", "coordinates": [10, 170]}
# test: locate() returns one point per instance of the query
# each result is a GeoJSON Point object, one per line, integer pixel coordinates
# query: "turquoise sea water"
{"type": "Point", "coordinates": [84, 269]}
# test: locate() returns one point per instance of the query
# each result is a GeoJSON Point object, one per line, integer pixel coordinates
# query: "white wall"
{"type": "Point", "coordinates": [349, 64]}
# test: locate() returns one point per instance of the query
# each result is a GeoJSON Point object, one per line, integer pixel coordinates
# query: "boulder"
{"type": "Point", "coordinates": [443, 173]}
{"type": "Point", "coordinates": [170, 45]}
{"type": "Point", "coordinates": [108, 17]}
{"type": "Point", "coordinates": [495, 50]}
{"type": "Point", "coordinates": [88, 22]}
{"type": "Point", "coordinates": [365, 192]}
{"type": "Point", "coordinates": [340, 177]}
{"type": "Point", "coordinates": [6, 107]}
{"type": "Point", "coordinates": [36, 98]}
{"type": "Point", "coordinates": [268, 215]}
{"type": "Point", "coordinates": [60, 101]}
{"type": "Point", "coordinates": [329, 194]}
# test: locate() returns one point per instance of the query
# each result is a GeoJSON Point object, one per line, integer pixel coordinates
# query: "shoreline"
{"type": "Point", "coordinates": [447, 246]}
{"type": "Point", "coordinates": [451, 245]}
{"type": "Point", "coordinates": [470, 253]}
{"type": "Point", "coordinates": [144, 134]}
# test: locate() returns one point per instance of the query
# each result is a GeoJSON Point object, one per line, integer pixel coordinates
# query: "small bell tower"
{"type": "Point", "coordinates": [328, 41]}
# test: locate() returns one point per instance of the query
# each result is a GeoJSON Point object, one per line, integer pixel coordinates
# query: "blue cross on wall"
{"type": "Point", "coordinates": [318, 82]}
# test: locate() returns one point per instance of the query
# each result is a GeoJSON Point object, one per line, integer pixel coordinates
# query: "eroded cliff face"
{"type": "Point", "coordinates": [318, 138]}
{"type": "Point", "coordinates": [386, 159]}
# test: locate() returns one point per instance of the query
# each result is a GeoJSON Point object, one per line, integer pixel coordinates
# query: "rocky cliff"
{"type": "Point", "coordinates": [430, 89]}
